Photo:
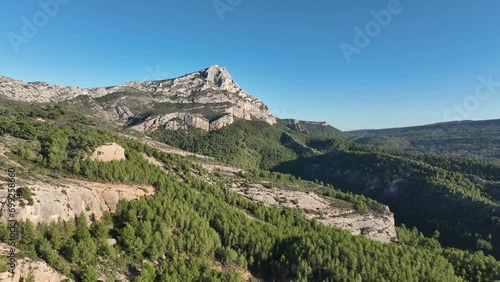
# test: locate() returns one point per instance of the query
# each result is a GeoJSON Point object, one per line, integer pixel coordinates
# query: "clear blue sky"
{"type": "Point", "coordinates": [287, 53]}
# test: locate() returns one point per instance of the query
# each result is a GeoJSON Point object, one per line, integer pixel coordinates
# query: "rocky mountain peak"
{"type": "Point", "coordinates": [220, 77]}
{"type": "Point", "coordinates": [208, 99]}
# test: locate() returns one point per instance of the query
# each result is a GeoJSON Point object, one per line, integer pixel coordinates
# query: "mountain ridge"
{"type": "Point", "coordinates": [311, 128]}
{"type": "Point", "coordinates": [444, 123]}
{"type": "Point", "coordinates": [171, 103]}
{"type": "Point", "coordinates": [462, 138]}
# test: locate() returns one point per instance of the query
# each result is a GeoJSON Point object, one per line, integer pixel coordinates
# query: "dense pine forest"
{"type": "Point", "coordinates": [197, 230]}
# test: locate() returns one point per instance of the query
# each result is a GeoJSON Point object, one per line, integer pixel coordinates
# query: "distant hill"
{"type": "Point", "coordinates": [463, 138]}
{"type": "Point", "coordinates": [459, 197]}
{"type": "Point", "coordinates": [311, 128]}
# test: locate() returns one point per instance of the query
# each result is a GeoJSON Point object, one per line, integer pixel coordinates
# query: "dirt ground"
{"type": "Point", "coordinates": [109, 152]}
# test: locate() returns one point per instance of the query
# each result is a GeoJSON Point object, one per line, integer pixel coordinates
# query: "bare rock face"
{"type": "Point", "coordinates": [123, 112]}
{"type": "Point", "coordinates": [377, 227]}
{"type": "Point", "coordinates": [194, 121]}
{"type": "Point", "coordinates": [299, 125]}
{"type": "Point", "coordinates": [54, 200]}
{"type": "Point", "coordinates": [38, 92]}
{"type": "Point", "coordinates": [221, 122]}
{"type": "Point", "coordinates": [180, 120]}
{"type": "Point", "coordinates": [173, 121]}
{"type": "Point", "coordinates": [210, 86]}
{"type": "Point", "coordinates": [219, 77]}
{"type": "Point", "coordinates": [174, 124]}
{"type": "Point", "coordinates": [294, 124]}
{"type": "Point", "coordinates": [315, 128]}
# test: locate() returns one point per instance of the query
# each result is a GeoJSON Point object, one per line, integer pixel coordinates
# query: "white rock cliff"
{"type": "Point", "coordinates": [213, 85]}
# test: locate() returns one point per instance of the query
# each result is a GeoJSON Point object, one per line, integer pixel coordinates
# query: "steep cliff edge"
{"type": "Point", "coordinates": [379, 227]}
{"type": "Point", "coordinates": [56, 199]}
{"type": "Point", "coordinates": [64, 199]}
{"type": "Point", "coordinates": [312, 128]}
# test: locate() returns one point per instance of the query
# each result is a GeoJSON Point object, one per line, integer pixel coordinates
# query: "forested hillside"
{"type": "Point", "coordinates": [461, 138]}
{"type": "Point", "coordinates": [194, 229]}
{"type": "Point", "coordinates": [455, 199]}
{"type": "Point", "coordinates": [433, 193]}
{"type": "Point", "coordinates": [247, 144]}
{"type": "Point", "coordinates": [456, 196]}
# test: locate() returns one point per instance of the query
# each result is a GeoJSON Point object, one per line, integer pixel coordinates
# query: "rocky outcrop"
{"type": "Point", "coordinates": [298, 125]}
{"type": "Point", "coordinates": [180, 120]}
{"type": "Point", "coordinates": [247, 110]}
{"type": "Point", "coordinates": [294, 124]}
{"type": "Point", "coordinates": [28, 268]}
{"type": "Point", "coordinates": [38, 92]}
{"type": "Point", "coordinates": [313, 128]}
{"type": "Point", "coordinates": [54, 200]}
{"type": "Point", "coordinates": [173, 121]}
{"type": "Point", "coordinates": [212, 85]}
{"type": "Point", "coordinates": [173, 124]}
{"type": "Point", "coordinates": [377, 227]}
{"type": "Point", "coordinates": [221, 122]}
{"type": "Point", "coordinates": [219, 77]}
{"type": "Point", "coordinates": [123, 112]}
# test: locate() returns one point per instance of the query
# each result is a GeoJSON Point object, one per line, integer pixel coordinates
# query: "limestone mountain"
{"type": "Point", "coordinates": [208, 99]}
